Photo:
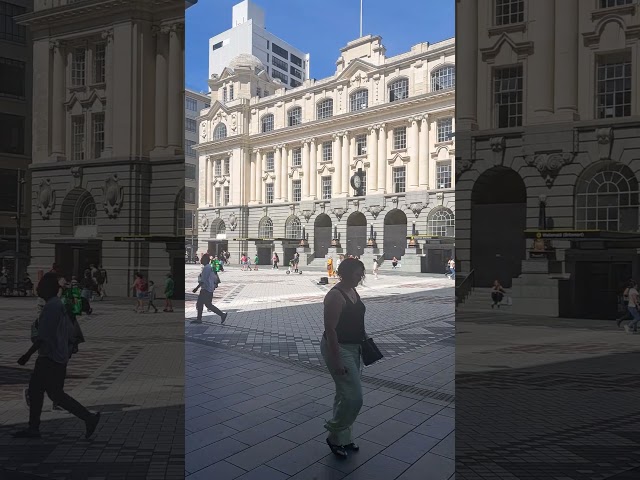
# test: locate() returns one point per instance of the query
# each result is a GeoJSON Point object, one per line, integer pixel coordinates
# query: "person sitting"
{"type": "Point", "coordinates": [497, 294]}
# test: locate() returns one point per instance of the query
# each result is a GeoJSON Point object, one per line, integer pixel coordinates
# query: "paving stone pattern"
{"type": "Point", "coordinates": [258, 393]}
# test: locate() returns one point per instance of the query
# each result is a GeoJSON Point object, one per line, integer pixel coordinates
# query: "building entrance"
{"type": "Point", "coordinates": [216, 247]}
{"type": "Point", "coordinates": [73, 260]}
{"type": "Point", "coordinates": [395, 234]}
{"type": "Point", "coordinates": [321, 235]}
{"type": "Point", "coordinates": [356, 234]}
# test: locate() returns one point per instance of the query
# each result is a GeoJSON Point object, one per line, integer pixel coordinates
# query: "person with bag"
{"type": "Point", "coordinates": [54, 342]}
{"type": "Point", "coordinates": [208, 281]}
{"type": "Point", "coordinates": [342, 347]}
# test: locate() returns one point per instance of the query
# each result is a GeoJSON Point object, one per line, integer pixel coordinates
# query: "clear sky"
{"type": "Point", "coordinates": [320, 28]}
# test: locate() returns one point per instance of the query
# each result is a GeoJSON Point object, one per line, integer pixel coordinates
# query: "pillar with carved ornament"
{"type": "Point", "coordinates": [312, 173]}
{"type": "Point", "coordinates": [346, 163]}
{"type": "Point", "coordinates": [107, 35]}
{"type": "Point", "coordinates": [57, 101]}
{"type": "Point", "coordinates": [337, 163]}
{"type": "Point", "coordinates": [423, 152]}
{"type": "Point", "coordinates": [382, 159]}
{"type": "Point", "coordinates": [278, 174]}
{"type": "Point", "coordinates": [372, 154]}
{"type": "Point", "coordinates": [414, 127]}
{"type": "Point", "coordinates": [284, 184]}
{"type": "Point", "coordinates": [161, 94]}
{"type": "Point", "coordinates": [175, 135]}
{"type": "Point", "coordinates": [306, 169]}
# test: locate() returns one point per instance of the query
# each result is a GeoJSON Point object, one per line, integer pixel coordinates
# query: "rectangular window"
{"type": "Point", "coordinates": [270, 161]}
{"type": "Point", "coordinates": [327, 151]}
{"type": "Point", "coordinates": [77, 137]}
{"type": "Point", "coordinates": [216, 46]}
{"type": "Point", "coordinates": [508, 95]}
{"type": "Point", "coordinates": [296, 157]}
{"type": "Point", "coordinates": [268, 44]}
{"type": "Point", "coordinates": [443, 175]}
{"type": "Point", "coordinates": [225, 192]}
{"type": "Point", "coordinates": [613, 98]}
{"type": "Point", "coordinates": [399, 138]}
{"type": "Point", "coordinates": [361, 145]}
{"type": "Point", "coordinates": [296, 60]}
{"type": "Point", "coordinates": [227, 166]}
{"type": "Point", "coordinates": [98, 134]}
{"type": "Point", "coordinates": [278, 50]}
{"type": "Point", "coordinates": [269, 193]}
{"type": "Point", "coordinates": [12, 134]}
{"type": "Point", "coordinates": [295, 72]}
{"type": "Point", "coordinates": [509, 11]}
{"type": "Point", "coordinates": [189, 148]}
{"type": "Point", "coordinates": [12, 73]}
{"type": "Point", "coordinates": [279, 63]}
{"type": "Point", "coordinates": [188, 219]}
{"type": "Point", "coordinates": [189, 171]}
{"type": "Point", "coordinates": [9, 192]}
{"type": "Point", "coordinates": [189, 195]}
{"type": "Point", "coordinates": [190, 125]}
{"type": "Point", "coordinates": [614, 3]}
{"type": "Point", "coordinates": [444, 129]}
{"type": "Point", "coordinates": [78, 65]}
{"type": "Point", "coordinates": [9, 29]}
{"type": "Point", "coordinates": [294, 83]}
{"type": "Point", "coordinates": [258, 92]}
{"type": "Point", "coordinates": [280, 76]}
{"type": "Point", "coordinates": [207, 105]}
{"type": "Point", "coordinates": [230, 92]}
{"type": "Point", "coordinates": [297, 190]}
{"type": "Point", "coordinates": [326, 188]}
{"type": "Point", "coordinates": [399, 179]}
{"type": "Point", "coordinates": [99, 62]}
{"type": "Point", "coordinates": [218, 196]}
{"type": "Point", "coordinates": [218, 172]}
{"type": "Point", "coordinates": [224, 95]}
{"type": "Point", "coordinates": [191, 104]}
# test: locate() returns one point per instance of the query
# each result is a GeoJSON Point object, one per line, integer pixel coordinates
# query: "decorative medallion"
{"type": "Point", "coordinates": [76, 173]}
{"type": "Point", "coordinates": [375, 210]}
{"type": "Point", "coordinates": [339, 212]}
{"type": "Point", "coordinates": [203, 127]}
{"type": "Point", "coordinates": [498, 146]}
{"type": "Point", "coordinates": [462, 165]}
{"type": "Point", "coordinates": [234, 122]}
{"type": "Point", "coordinates": [46, 199]}
{"type": "Point", "coordinates": [307, 214]}
{"type": "Point", "coordinates": [416, 208]}
{"type": "Point", "coordinates": [605, 142]}
{"type": "Point", "coordinates": [113, 196]}
{"type": "Point", "coordinates": [549, 164]}
{"type": "Point", "coordinates": [205, 223]}
{"type": "Point", "coordinates": [233, 222]}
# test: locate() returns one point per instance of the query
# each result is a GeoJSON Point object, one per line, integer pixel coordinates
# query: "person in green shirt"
{"type": "Point", "coordinates": [255, 262]}
{"type": "Point", "coordinates": [168, 293]}
{"type": "Point", "coordinates": [215, 263]}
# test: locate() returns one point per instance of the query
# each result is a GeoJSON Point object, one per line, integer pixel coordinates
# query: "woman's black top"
{"type": "Point", "coordinates": [350, 328]}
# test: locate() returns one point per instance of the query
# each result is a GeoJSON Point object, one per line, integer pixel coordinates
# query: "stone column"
{"type": "Point", "coordinates": [467, 62]}
{"type": "Point", "coordinates": [346, 164]}
{"type": "Point", "coordinates": [175, 135]}
{"type": "Point", "coordinates": [337, 163]}
{"type": "Point", "coordinates": [313, 169]}
{"type": "Point", "coordinates": [423, 152]}
{"type": "Point", "coordinates": [566, 65]}
{"type": "Point", "coordinates": [284, 185]}
{"type": "Point", "coordinates": [261, 160]}
{"type": "Point", "coordinates": [209, 186]}
{"type": "Point", "coordinates": [542, 63]}
{"type": "Point", "coordinates": [57, 101]}
{"type": "Point", "coordinates": [306, 179]}
{"type": "Point", "coordinates": [277, 161]}
{"type": "Point", "coordinates": [253, 178]}
{"type": "Point", "coordinates": [372, 155]}
{"type": "Point", "coordinates": [107, 35]}
{"type": "Point", "coordinates": [162, 72]}
{"type": "Point", "coordinates": [382, 158]}
{"type": "Point", "coordinates": [413, 170]}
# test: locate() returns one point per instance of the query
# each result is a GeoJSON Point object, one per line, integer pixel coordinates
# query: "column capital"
{"type": "Point", "coordinates": [413, 120]}
{"type": "Point", "coordinates": [257, 150]}
{"type": "Point", "coordinates": [176, 27]}
{"type": "Point", "coordinates": [229, 154]}
{"type": "Point", "coordinates": [281, 146]}
{"type": "Point", "coordinates": [336, 135]}
{"type": "Point", "coordinates": [56, 45]}
{"type": "Point", "coordinates": [372, 128]}
{"type": "Point", "coordinates": [381, 126]}
{"type": "Point", "coordinates": [345, 134]}
{"type": "Point", "coordinates": [107, 35]}
{"type": "Point", "coordinates": [164, 29]}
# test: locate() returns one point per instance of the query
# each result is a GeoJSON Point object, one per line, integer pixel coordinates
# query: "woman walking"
{"type": "Point", "coordinates": [168, 293]}
{"type": "Point", "coordinates": [88, 287]}
{"type": "Point", "coordinates": [342, 352]}
{"type": "Point", "coordinates": [276, 259]}
{"type": "Point", "coordinates": [497, 294]}
{"type": "Point", "coordinates": [140, 288]}
{"type": "Point", "coordinates": [376, 267]}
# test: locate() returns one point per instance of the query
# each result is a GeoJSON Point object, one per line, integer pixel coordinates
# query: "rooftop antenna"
{"type": "Point", "coordinates": [360, 18]}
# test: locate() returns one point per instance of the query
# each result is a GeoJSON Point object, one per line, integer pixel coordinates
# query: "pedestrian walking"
{"type": "Point", "coordinates": [87, 286]}
{"type": "Point", "coordinates": [102, 281]}
{"type": "Point", "coordinates": [151, 295]}
{"type": "Point", "coordinates": [451, 264]}
{"type": "Point", "coordinates": [296, 261]}
{"type": "Point", "coordinates": [140, 288]}
{"type": "Point", "coordinates": [625, 303]}
{"type": "Point", "coordinates": [243, 262]}
{"type": "Point", "coordinates": [54, 343]}
{"type": "Point", "coordinates": [208, 281]}
{"type": "Point", "coordinates": [168, 293]}
{"type": "Point", "coordinates": [276, 260]}
{"type": "Point", "coordinates": [376, 267]}
{"type": "Point", "coordinates": [344, 331]}
{"type": "Point", "coordinates": [497, 294]}
{"type": "Point", "coordinates": [255, 262]}
{"type": "Point", "coordinates": [227, 256]}
{"type": "Point", "coordinates": [634, 303]}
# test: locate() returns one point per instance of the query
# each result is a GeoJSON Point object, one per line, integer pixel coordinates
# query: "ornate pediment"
{"type": "Point", "coordinates": [398, 157]}
{"type": "Point", "coordinates": [358, 68]}
{"type": "Point", "coordinates": [521, 49]}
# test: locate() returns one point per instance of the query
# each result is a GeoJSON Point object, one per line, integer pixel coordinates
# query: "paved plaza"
{"type": "Point", "coordinates": [131, 369]}
{"type": "Point", "coordinates": [258, 393]}
{"type": "Point", "coordinates": [546, 398]}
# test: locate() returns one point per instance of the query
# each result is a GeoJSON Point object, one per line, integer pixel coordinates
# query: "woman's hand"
{"type": "Point", "coordinates": [339, 368]}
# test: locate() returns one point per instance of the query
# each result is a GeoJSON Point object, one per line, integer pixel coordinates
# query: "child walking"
{"type": "Point", "coordinates": [152, 296]}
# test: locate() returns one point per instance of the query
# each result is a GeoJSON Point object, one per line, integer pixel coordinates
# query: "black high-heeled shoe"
{"type": "Point", "coordinates": [352, 446]}
{"type": "Point", "coordinates": [338, 450]}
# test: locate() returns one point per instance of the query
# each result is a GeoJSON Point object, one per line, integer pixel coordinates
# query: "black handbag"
{"type": "Point", "coordinates": [370, 352]}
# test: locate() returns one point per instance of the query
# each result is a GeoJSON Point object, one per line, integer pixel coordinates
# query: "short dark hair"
{"type": "Point", "coordinates": [48, 286]}
{"type": "Point", "coordinates": [205, 259]}
{"type": "Point", "coordinates": [349, 266]}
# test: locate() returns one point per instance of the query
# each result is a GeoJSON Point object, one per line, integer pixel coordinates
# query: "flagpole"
{"type": "Point", "coordinates": [360, 18]}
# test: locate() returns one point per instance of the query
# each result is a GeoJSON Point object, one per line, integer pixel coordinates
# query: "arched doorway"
{"type": "Point", "coordinates": [321, 235]}
{"type": "Point", "coordinates": [356, 233]}
{"type": "Point", "coordinates": [218, 242]}
{"type": "Point", "coordinates": [395, 234]}
{"type": "Point", "coordinates": [498, 221]}
{"type": "Point", "coordinates": [265, 246]}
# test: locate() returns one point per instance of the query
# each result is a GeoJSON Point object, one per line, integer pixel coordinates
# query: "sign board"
{"type": "Point", "coordinates": [562, 234]}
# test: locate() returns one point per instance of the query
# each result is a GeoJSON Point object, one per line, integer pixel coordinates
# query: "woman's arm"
{"type": "Point", "coordinates": [333, 305]}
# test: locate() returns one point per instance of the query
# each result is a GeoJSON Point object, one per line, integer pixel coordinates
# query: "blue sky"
{"type": "Point", "coordinates": [321, 28]}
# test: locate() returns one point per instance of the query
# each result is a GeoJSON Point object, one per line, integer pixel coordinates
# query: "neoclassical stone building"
{"type": "Point", "coordinates": [548, 163]}
{"type": "Point", "coordinates": [108, 133]}
{"type": "Point", "coordinates": [278, 166]}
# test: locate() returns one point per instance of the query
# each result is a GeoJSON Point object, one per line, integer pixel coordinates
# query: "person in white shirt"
{"type": "Point", "coordinates": [634, 301]}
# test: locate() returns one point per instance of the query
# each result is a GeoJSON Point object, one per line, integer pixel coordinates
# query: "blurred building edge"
{"type": "Point", "coordinates": [15, 137]}
{"type": "Point", "coordinates": [108, 154]}
{"type": "Point", "coordinates": [547, 178]}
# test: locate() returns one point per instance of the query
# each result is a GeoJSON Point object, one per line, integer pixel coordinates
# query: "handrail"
{"type": "Point", "coordinates": [465, 288]}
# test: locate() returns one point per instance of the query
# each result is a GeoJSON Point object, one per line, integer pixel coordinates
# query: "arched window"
{"type": "Point", "coordinates": [265, 228]}
{"type": "Point", "coordinates": [85, 211]}
{"type": "Point", "coordinates": [359, 100]}
{"type": "Point", "coordinates": [295, 116]}
{"type": "Point", "coordinates": [220, 132]}
{"type": "Point", "coordinates": [293, 227]}
{"type": "Point", "coordinates": [179, 214]}
{"type": "Point", "coordinates": [399, 90]}
{"type": "Point", "coordinates": [267, 123]}
{"type": "Point", "coordinates": [608, 199]}
{"type": "Point", "coordinates": [442, 223]}
{"type": "Point", "coordinates": [218, 227]}
{"type": "Point", "coordinates": [324, 109]}
{"type": "Point", "coordinates": [443, 78]}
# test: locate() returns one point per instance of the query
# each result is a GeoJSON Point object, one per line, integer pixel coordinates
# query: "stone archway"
{"type": "Point", "coordinates": [356, 233]}
{"type": "Point", "coordinates": [321, 235]}
{"type": "Point", "coordinates": [498, 221]}
{"type": "Point", "coordinates": [395, 234]}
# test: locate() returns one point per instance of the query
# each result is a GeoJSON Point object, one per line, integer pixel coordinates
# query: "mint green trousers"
{"type": "Point", "coordinates": [348, 400]}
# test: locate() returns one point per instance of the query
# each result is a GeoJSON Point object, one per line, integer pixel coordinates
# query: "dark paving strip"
{"type": "Point", "coordinates": [106, 378]}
